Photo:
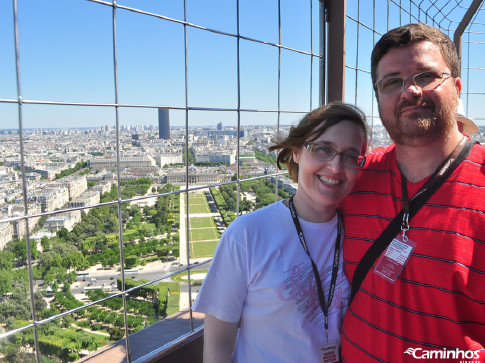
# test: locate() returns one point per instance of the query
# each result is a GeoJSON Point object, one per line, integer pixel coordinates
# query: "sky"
{"type": "Point", "coordinates": [66, 55]}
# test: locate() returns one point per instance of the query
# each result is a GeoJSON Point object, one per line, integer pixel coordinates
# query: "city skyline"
{"type": "Point", "coordinates": [94, 205]}
{"type": "Point", "coordinates": [66, 60]}
{"type": "Point", "coordinates": [66, 66]}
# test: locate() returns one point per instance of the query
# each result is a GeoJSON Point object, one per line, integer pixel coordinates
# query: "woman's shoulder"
{"type": "Point", "coordinates": [265, 216]}
{"type": "Point", "coordinates": [273, 210]}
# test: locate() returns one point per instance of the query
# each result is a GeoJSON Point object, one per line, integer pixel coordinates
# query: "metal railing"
{"type": "Point", "coordinates": [363, 28]}
{"type": "Point", "coordinates": [116, 7]}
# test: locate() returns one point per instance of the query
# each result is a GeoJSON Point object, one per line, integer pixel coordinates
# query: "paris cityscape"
{"type": "Point", "coordinates": [75, 253]}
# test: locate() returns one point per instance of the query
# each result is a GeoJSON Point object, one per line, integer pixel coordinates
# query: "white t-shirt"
{"type": "Point", "coordinates": [261, 276]}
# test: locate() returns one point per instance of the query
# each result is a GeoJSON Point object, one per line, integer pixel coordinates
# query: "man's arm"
{"type": "Point", "coordinates": [219, 338]}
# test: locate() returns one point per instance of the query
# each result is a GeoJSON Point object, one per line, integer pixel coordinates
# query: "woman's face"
{"type": "Point", "coordinates": [324, 183]}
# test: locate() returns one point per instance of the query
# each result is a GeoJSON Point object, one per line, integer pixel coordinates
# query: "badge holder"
{"type": "Point", "coordinates": [329, 353]}
{"type": "Point", "coordinates": [396, 255]}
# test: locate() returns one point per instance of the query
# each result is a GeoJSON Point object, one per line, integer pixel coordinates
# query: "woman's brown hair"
{"type": "Point", "coordinates": [311, 126]}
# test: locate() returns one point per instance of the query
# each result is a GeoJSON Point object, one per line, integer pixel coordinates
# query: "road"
{"type": "Point", "coordinates": [151, 271]}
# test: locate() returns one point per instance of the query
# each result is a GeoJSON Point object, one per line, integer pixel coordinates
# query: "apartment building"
{"type": "Point", "coordinates": [64, 220]}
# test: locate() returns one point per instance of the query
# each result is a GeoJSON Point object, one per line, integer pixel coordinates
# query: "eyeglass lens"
{"type": "Point", "coordinates": [424, 80]}
{"type": "Point", "coordinates": [327, 153]}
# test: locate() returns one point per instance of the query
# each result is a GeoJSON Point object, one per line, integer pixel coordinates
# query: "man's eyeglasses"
{"type": "Point", "coordinates": [424, 80]}
{"type": "Point", "coordinates": [327, 153]}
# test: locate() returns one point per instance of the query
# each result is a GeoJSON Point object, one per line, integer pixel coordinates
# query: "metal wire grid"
{"type": "Point", "coordinates": [444, 14]}
{"type": "Point", "coordinates": [116, 105]}
{"type": "Point", "coordinates": [471, 66]}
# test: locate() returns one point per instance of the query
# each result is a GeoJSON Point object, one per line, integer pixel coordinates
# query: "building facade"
{"type": "Point", "coordinates": [163, 124]}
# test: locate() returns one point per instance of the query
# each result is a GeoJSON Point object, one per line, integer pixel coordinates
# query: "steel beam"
{"type": "Point", "coordinates": [336, 11]}
{"type": "Point", "coordinates": [462, 26]}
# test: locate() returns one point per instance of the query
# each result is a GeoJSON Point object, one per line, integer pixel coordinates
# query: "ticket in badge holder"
{"type": "Point", "coordinates": [394, 258]}
{"type": "Point", "coordinates": [329, 353]}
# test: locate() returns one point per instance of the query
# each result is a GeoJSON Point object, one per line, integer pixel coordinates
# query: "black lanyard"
{"type": "Point", "coordinates": [436, 178]}
{"type": "Point", "coordinates": [336, 255]}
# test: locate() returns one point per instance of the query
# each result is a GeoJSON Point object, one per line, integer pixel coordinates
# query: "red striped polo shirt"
{"type": "Point", "coordinates": [437, 305]}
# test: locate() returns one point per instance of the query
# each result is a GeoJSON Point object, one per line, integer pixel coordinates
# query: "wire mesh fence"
{"type": "Point", "coordinates": [89, 92]}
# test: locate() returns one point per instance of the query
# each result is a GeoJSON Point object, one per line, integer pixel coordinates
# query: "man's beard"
{"type": "Point", "coordinates": [421, 127]}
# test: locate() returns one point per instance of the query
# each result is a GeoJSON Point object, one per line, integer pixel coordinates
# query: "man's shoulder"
{"type": "Point", "coordinates": [472, 170]}
{"type": "Point", "coordinates": [478, 151]}
{"type": "Point", "coordinates": [382, 155]}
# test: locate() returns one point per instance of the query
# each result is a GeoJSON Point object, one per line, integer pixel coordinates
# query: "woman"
{"type": "Point", "coordinates": [273, 269]}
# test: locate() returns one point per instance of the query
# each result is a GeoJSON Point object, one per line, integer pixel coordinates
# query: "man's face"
{"type": "Point", "coordinates": [415, 116]}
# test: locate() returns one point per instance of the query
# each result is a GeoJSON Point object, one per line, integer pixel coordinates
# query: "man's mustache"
{"type": "Point", "coordinates": [417, 103]}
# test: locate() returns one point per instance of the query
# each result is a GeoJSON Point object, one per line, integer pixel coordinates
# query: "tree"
{"type": "Point", "coordinates": [64, 249]}
{"type": "Point", "coordinates": [48, 260]}
{"type": "Point", "coordinates": [17, 354]}
{"type": "Point", "coordinates": [63, 233]}
{"type": "Point", "coordinates": [19, 248]}
{"type": "Point", "coordinates": [7, 260]}
{"type": "Point", "coordinates": [88, 342]}
{"type": "Point", "coordinates": [5, 282]}
{"type": "Point", "coordinates": [264, 199]}
{"type": "Point", "coordinates": [17, 305]}
{"type": "Point", "coordinates": [45, 243]}
{"type": "Point", "coordinates": [120, 321]}
{"type": "Point", "coordinates": [55, 286]}
{"type": "Point", "coordinates": [72, 277]}
{"type": "Point", "coordinates": [246, 205]}
{"type": "Point", "coordinates": [231, 204]}
{"type": "Point", "coordinates": [74, 260]}
{"type": "Point", "coordinates": [111, 224]}
{"type": "Point", "coordinates": [55, 273]}
{"type": "Point", "coordinates": [131, 261]}
{"type": "Point", "coordinates": [116, 334]}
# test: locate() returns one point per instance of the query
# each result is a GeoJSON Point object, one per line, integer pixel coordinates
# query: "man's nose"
{"type": "Point", "coordinates": [410, 86]}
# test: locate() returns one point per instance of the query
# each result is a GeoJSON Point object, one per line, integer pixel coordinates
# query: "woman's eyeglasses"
{"type": "Point", "coordinates": [327, 153]}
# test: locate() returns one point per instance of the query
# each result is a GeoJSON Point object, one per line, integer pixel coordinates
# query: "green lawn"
{"type": "Point", "coordinates": [201, 222]}
{"type": "Point", "coordinates": [198, 204]}
{"type": "Point", "coordinates": [203, 249]}
{"type": "Point", "coordinates": [203, 234]}
{"type": "Point", "coordinates": [198, 208]}
{"type": "Point", "coordinates": [201, 228]}
{"type": "Point", "coordinates": [197, 198]}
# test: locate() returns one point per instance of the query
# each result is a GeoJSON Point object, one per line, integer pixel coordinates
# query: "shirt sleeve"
{"type": "Point", "coordinates": [224, 289]}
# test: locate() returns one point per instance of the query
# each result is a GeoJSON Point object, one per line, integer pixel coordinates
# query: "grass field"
{"type": "Point", "coordinates": [203, 249]}
{"type": "Point", "coordinates": [198, 208]}
{"type": "Point", "coordinates": [182, 277]}
{"type": "Point", "coordinates": [201, 222]}
{"type": "Point", "coordinates": [197, 198]}
{"type": "Point", "coordinates": [203, 232]}
{"type": "Point", "coordinates": [198, 204]}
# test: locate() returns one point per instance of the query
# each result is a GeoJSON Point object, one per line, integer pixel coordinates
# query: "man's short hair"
{"type": "Point", "coordinates": [411, 33]}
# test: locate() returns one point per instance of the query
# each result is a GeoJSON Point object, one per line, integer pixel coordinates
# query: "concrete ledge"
{"type": "Point", "coordinates": [145, 344]}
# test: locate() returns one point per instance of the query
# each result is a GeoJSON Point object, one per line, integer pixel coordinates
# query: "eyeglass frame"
{"type": "Point", "coordinates": [405, 79]}
{"type": "Point", "coordinates": [361, 158]}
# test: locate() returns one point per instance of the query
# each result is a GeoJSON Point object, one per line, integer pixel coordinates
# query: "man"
{"type": "Point", "coordinates": [434, 307]}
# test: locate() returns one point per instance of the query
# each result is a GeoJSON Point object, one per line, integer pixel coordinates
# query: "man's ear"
{"type": "Point", "coordinates": [458, 85]}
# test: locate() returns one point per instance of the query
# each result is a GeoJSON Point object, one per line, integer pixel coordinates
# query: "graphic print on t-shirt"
{"type": "Point", "coordinates": [300, 286]}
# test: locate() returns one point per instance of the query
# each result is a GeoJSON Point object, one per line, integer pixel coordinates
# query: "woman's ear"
{"type": "Point", "coordinates": [296, 155]}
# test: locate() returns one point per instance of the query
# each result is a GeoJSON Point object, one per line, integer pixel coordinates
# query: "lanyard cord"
{"type": "Point", "coordinates": [392, 228]}
{"type": "Point", "coordinates": [437, 177]}
{"type": "Point", "coordinates": [321, 296]}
